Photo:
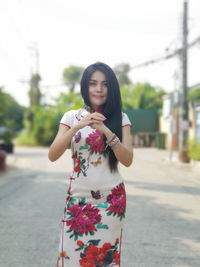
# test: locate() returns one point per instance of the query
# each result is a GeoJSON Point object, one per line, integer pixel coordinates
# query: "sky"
{"type": "Point", "coordinates": [82, 32]}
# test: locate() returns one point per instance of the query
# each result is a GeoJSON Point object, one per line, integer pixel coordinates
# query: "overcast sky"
{"type": "Point", "coordinates": [82, 32]}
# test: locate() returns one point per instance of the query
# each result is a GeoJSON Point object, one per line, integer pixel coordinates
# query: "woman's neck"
{"type": "Point", "coordinates": [93, 109]}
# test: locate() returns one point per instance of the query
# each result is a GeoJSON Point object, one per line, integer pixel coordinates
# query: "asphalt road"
{"type": "Point", "coordinates": [162, 226]}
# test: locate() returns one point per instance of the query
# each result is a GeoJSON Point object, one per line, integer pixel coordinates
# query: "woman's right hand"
{"type": "Point", "coordinates": [87, 121]}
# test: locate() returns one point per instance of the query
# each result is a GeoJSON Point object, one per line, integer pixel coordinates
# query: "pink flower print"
{"type": "Point", "coordinates": [78, 137]}
{"type": "Point", "coordinates": [118, 201]}
{"type": "Point", "coordinates": [83, 219]}
{"type": "Point", "coordinates": [95, 141]}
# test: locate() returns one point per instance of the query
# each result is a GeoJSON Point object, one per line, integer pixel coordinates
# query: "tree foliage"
{"type": "Point", "coordinates": [142, 96]}
{"type": "Point", "coordinates": [194, 148]}
{"type": "Point", "coordinates": [122, 70]}
{"type": "Point", "coordinates": [194, 95]}
{"type": "Point", "coordinates": [72, 76]}
{"type": "Point", "coordinates": [11, 115]}
{"type": "Point", "coordinates": [67, 101]}
{"type": "Point", "coordinates": [34, 92]}
{"type": "Point", "coordinates": [46, 121]}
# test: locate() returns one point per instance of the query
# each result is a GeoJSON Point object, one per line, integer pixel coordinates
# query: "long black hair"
{"type": "Point", "coordinates": [112, 108]}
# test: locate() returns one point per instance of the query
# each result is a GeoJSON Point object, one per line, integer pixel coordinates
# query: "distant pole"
{"type": "Point", "coordinates": [171, 116]}
{"type": "Point", "coordinates": [34, 48]}
{"type": "Point", "coordinates": [37, 60]}
{"type": "Point", "coordinates": [184, 123]}
{"type": "Point", "coordinates": [171, 125]}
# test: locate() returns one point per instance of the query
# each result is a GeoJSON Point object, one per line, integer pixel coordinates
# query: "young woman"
{"type": "Point", "coordinates": [100, 137]}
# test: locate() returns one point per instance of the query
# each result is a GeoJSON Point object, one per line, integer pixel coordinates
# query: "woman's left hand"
{"type": "Point", "coordinates": [97, 122]}
{"type": "Point", "coordinates": [100, 126]}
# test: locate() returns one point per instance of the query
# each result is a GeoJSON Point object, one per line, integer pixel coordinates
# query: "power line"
{"type": "Point", "coordinates": [168, 56]}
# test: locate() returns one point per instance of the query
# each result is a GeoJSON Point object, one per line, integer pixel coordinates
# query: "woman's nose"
{"type": "Point", "coordinates": [99, 87]}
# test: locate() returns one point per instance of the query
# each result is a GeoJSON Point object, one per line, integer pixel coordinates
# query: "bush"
{"type": "Point", "coordinates": [25, 139]}
{"type": "Point", "coordinates": [194, 149]}
{"type": "Point", "coordinates": [42, 122]}
{"type": "Point", "coordinates": [45, 126]}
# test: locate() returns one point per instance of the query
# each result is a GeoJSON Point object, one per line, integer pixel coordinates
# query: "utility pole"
{"type": "Point", "coordinates": [34, 48]}
{"type": "Point", "coordinates": [184, 123]}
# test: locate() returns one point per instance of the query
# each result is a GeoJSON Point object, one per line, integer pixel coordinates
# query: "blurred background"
{"type": "Point", "coordinates": [154, 49]}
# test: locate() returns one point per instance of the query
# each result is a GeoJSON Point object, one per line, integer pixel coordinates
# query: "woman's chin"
{"type": "Point", "coordinates": [97, 102]}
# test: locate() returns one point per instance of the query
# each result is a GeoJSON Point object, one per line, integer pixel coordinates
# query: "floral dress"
{"type": "Point", "coordinates": [95, 201]}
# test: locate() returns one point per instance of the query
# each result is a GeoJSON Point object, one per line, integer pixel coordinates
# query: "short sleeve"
{"type": "Point", "coordinates": [125, 120]}
{"type": "Point", "coordinates": [67, 118]}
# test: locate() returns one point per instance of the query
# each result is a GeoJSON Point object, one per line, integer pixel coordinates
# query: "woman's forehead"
{"type": "Point", "coordinates": [98, 75]}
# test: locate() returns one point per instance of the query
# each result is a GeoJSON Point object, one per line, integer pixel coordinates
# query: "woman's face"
{"type": "Point", "coordinates": [97, 89]}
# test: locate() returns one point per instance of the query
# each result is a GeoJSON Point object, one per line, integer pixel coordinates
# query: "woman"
{"type": "Point", "coordinates": [100, 137]}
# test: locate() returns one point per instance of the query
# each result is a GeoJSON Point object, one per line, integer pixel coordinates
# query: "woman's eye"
{"type": "Point", "coordinates": [92, 83]}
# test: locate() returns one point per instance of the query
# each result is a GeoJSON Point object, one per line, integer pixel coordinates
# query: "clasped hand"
{"type": "Point", "coordinates": [96, 121]}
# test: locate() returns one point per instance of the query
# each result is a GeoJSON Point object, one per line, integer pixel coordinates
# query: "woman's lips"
{"type": "Point", "coordinates": [98, 96]}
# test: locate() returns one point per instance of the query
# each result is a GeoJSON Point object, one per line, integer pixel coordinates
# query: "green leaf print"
{"type": "Point", "coordinates": [72, 201]}
{"type": "Point", "coordinates": [77, 249]}
{"type": "Point", "coordinates": [84, 147]}
{"type": "Point", "coordinates": [82, 201]}
{"type": "Point", "coordinates": [104, 205]}
{"type": "Point", "coordinates": [92, 233]}
{"type": "Point", "coordinates": [94, 242]}
{"type": "Point", "coordinates": [102, 226]}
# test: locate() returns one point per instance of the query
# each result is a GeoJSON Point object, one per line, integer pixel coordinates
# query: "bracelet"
{"type": "Point", "coordinates": [115, 145]}
{"type": "Point", "coordinates": [112, 135]}
{"type": "Point", "coordinates": [112, 141]}
{"type": "Point", "coordinates": [115, 142]}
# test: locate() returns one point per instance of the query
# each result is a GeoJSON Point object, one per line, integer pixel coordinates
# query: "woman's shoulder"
{"type": "Point", "coordinates": [69, 117]}
{"type": "Point", "coordinates": [76, 113]}
{"type": "Point", "coordinates": [125, 120]}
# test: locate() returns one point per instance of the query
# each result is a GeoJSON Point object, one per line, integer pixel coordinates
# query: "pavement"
{"type": "Point", "coordinates": [162, 225]}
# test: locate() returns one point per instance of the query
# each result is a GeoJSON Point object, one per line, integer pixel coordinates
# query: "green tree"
{"type": "Point", "coordinates": [194, 95]}
{"type": "Point", "coordinates": [34, 92]}
{"type": "Point", "coordinates": [122, 70]}
{"type": "Point", "coordinates": [72, 76]}
{"type": "Point", "coordinates": [46, 121]}
{"type": "Point", "coordinates": [11, 114]}
{"type": "Point", "coordinates": [142, 96]}
{"type": "Point", "coordinates": [35, 101]}
{"type": "Point", "coordinates": [67, 101]}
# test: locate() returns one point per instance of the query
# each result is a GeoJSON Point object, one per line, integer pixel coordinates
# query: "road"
{"type": "Point", "coordinates": [162, 226]}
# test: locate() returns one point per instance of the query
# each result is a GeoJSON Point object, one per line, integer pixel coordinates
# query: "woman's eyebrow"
{"type": "Point", "coordinates": [96, 81]}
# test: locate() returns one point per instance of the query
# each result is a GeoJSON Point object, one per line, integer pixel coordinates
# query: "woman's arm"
{"type": "Point", "coordinates": [61, 141]}
{"type": "Point", "coordinates": [65, 134]}
{"type": "Point", "coordinates": [124, 150]}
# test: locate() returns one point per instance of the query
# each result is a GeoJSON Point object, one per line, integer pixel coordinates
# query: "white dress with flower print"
{"type": "Point", "coordinates": [95, 202]}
